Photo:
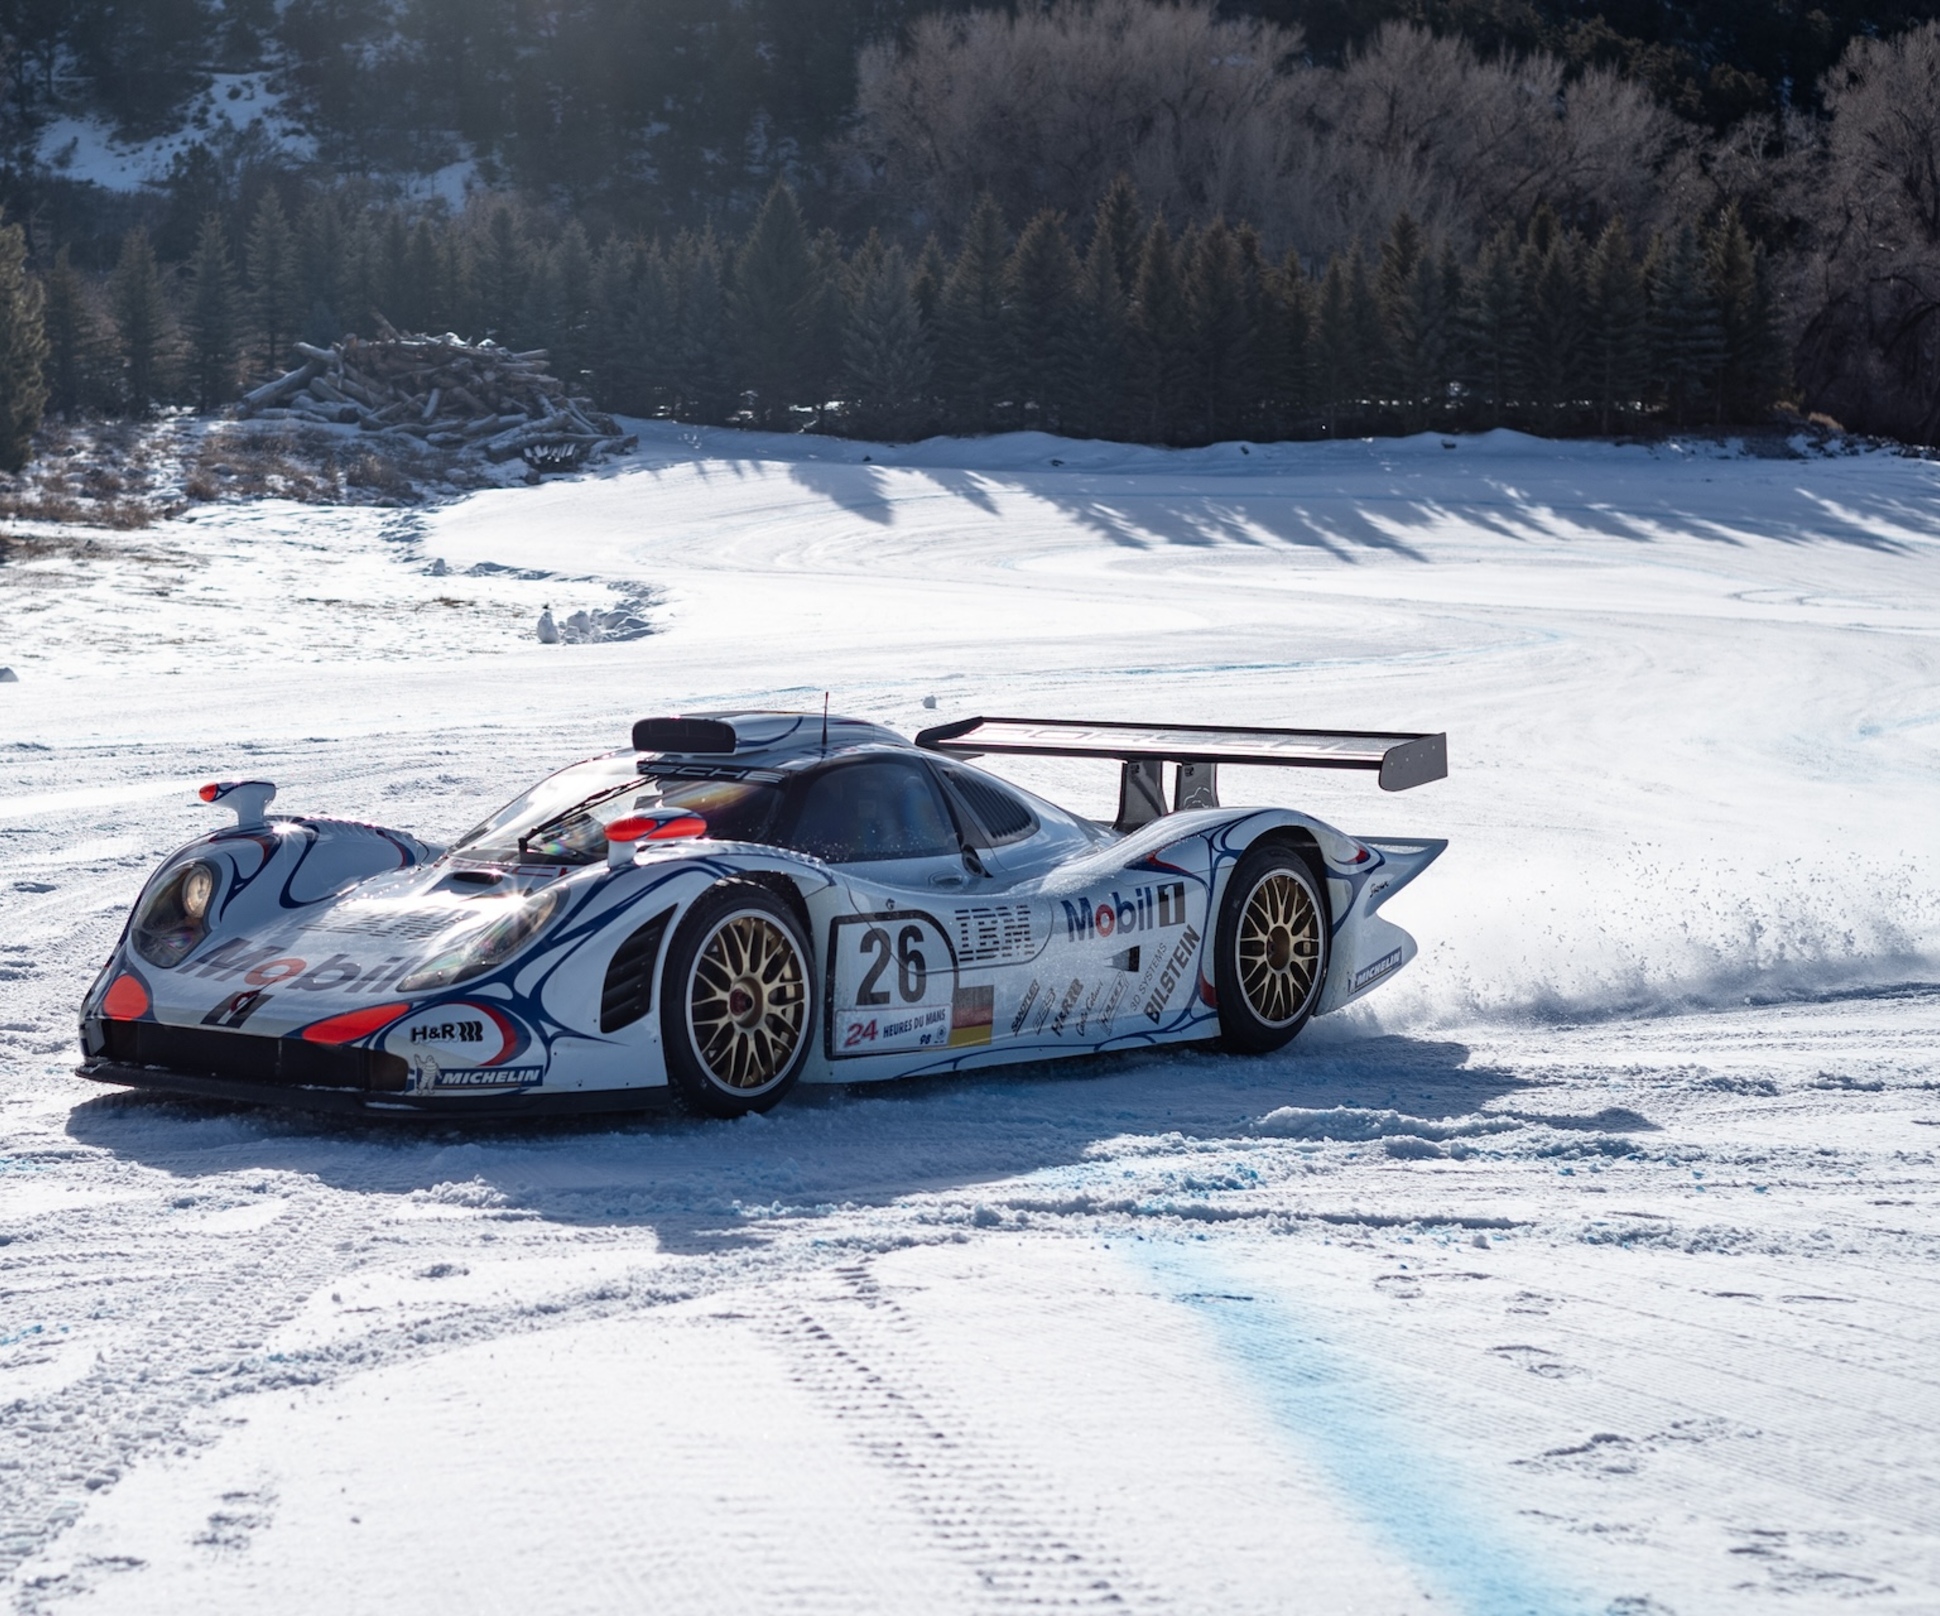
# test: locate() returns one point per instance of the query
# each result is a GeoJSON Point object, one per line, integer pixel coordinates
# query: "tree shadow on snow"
{"type": "Point", "coordinates": [701, 1185]}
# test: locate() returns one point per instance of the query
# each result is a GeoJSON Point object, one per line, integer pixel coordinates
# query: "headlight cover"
{"type": "Point", "coordinates": [478, 949]}
{"type": "Point", "coordinates": [174, 917]}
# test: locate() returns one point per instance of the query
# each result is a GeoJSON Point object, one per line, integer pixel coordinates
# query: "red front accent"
{"type": "Point", "coordinates": [632, 829]}
{"type": "Point", "coordinates": [686, 825]}
{"type": "Point", "coordinates": [209, 792]}
{"type": "Point", "coordinates": [353, 1024]}
{"type": "Point", "coordinates": [126, 1000]}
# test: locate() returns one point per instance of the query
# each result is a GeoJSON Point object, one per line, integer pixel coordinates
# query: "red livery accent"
{"type": "Point", "coordinates": [126, 1000]}
{"type": "Point", "coordinates": [208, 792]}
{"type": "Point", "coordinates": [354, 1024]}
{"type": "Point", "coordinates": [644, 828]}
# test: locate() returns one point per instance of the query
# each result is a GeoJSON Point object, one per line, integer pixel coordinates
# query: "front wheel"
{"type": "Point", "coordinates": [1270, 952]}
{"type": "Point", "coordinates": [738, 1002]}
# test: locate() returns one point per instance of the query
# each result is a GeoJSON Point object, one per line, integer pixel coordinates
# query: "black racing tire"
{"type": "Point", "coordinates": [1272, 948]}
{"type": "Point", "coordinates": [737, 1004]}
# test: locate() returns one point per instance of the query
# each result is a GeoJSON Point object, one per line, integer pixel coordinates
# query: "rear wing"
{"type": "Point", "coordinates": [1402, 760]}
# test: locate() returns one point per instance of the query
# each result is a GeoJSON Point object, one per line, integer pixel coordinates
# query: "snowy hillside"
{"type": "Point", "coordinates": [1588, 1267]}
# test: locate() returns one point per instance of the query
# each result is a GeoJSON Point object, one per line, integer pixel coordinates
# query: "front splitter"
{"type": "Point", "coordinates": [363, 1103]}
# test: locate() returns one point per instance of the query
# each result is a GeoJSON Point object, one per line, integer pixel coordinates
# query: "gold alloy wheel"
{"type": "Point", "coordinates": [1279, 947]}
{"type": "Point", "coordinates": [748, 1003]}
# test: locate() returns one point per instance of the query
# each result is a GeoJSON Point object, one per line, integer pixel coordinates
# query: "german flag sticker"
{"type": "Point", "coordinates": [971, 1012]}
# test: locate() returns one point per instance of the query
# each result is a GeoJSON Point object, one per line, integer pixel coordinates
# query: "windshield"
{"type": "Point", "coordinates": [563, 820]}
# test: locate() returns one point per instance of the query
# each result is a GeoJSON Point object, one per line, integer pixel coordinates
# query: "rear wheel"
{"type": "Point", "coordinates": [1271, 949]}
{"type": "Point", "coordinates": [738, 1002]}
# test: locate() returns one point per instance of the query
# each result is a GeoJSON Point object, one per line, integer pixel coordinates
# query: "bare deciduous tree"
{"type": "Point", "coordinates": [1870, 353]}
{"type": "Point", "coordinates": [1213, 117]}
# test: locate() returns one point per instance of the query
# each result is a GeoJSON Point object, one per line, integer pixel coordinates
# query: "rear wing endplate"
{"type": "Point", "coordinates": [1402, 760]}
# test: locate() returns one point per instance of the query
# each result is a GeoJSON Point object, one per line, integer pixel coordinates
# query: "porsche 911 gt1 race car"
{"type": "Point", "coordinates": [742, 901]}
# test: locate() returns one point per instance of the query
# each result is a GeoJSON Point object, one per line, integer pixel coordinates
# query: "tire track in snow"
{"type": "Point", "coordinates": [854, 1350]}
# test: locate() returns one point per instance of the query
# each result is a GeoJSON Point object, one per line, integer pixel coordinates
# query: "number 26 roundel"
{"type": "Point", "coordinates": [892, 981]}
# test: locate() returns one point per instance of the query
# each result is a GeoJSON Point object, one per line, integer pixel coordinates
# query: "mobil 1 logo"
{"type": "Point", "coordinates": [892, 983]}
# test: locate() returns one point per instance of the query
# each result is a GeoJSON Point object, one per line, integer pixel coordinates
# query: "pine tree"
{"type": "Point", "coordinates": [141, 319]}
{"type": "Point", "coordinates": [497, 264]}
{"type": "Point", "coordinates": [1553, 325]}
{"type": "Point", "coordinates": [926, 280]}
{"type": "Point", "coordinates": [704, 375]}
{"type": "Point", "coordinates": [772, 308]}
{"type": "Point", "coordinates": [1047, 338]}
{"type": "Point", "coordinates": [1101, 335]}
{"type": "Point", "coordinates": [1616, 350]}
{"type": "Point", "coordinates": [1222, 292]}
{"type": "Point", "coordinates": [1685, 341]}
{"type": "Point", "coordinates": [275, 284]}
{"type": "Point", "coordinates": [1492, 323]}
{"type": "Point", "coordinates": [566, 324]}
{"type": "Point", "coordinates": [1337, 361]}
{"type": "Point", "coordinates": [1750, 369]}
{"type": "Point", "coordinates": [1420, 294]}
{"type": "Point", "coordinates": [1367, 339]}
{"type": "Point", "coordinates": [888, 358]}
{"type": "Point", "coordinates": [320, 260]}
{"type": "Point", "coordinates": [210, 320]}
{"type": "Point", "coordinates": [393, 296]}
{"type": "Point", "coordinates": [424, 302]}
{"type": "Point", "coordinates": [1118, 229]}
{"type": "Point", "coordinates": [75, 341]}
{"type": "Point", "coordinates": [1162, 347]}
{"type": "Point", "coordinates": [23, 352]}
{"type": "Point", "coordinates": [825, 319]}
{"type": "Point", "coordinates": [360, 276]}
{"type": "Point", "coordinates": [972, 325]}
{"type": "Point", "coordinates": [619, 360]}
{"type": "Point", "coordinates": [1288, 346]}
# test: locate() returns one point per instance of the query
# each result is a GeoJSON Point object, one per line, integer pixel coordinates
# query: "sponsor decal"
{"type": "Point", "coordinates": [235, 954]}
{"type": "Point", "coordinates": [1024, 1007]}
{"type": "Point", "coordinates": [1169, 977]}
{"type": "Point", "coordinates": [972, 1011]}
{"type": "Point", "coordinates": [994, 931]}
{"type": "Point", "coordinates": [264, 966]}
{"type": "Point", "coordinates": [1064, 1010]}
{"type": "Point", "coordinates": [892, 983]}
{"type": "Point", "coordinates": [337, 972]}
{"type": "Point", "coordinates": [237, 1008]}
{"type": "Point", "coordinates": [449, 1032]}
{"type": "Point", "coordinates": [495, 1077]}
{"type": "Point", "coordinates": [1153, 908]}
{"type": "Point", "coordinates": [460, 1035]}
{"type": "Point", "coordinates": [1369, 974]}
{"type": "Point", "coordinates": [1109, 1008]}
{"type": "Point", "coordinates": [1084, 1016]}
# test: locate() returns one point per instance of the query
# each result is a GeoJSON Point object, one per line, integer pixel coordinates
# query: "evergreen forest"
{"type": "Point", "coordinates": [890, 219]}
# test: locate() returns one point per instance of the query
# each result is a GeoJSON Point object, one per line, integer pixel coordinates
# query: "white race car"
{"type": "Point", "coordinates": [743, 901]}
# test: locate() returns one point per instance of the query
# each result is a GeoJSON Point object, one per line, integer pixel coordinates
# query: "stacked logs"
{"type": "Point", "coordinates": [443, 393]}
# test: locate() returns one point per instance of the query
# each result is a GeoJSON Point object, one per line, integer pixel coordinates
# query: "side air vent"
{"type": "Point", "coordinates": [1001, 814]}
{"type": "Point", "coordinates": [628, 993]}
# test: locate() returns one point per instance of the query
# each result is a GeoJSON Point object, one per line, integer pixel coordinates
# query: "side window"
{"type": "Point", "coordinates": [858, 812]}
{"type": "Point", "coordinates": [1003, 817]}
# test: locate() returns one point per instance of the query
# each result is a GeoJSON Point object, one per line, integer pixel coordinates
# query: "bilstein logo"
{"type": "Point", "coordinates": [1145, 909]}
{"type": "Point", "coordinates": [1169, 977]}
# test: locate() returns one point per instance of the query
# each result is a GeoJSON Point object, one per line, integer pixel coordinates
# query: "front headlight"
{"type": "Point", "coordinates": [175, 916]}
{"type": "Point", "coordinates": [477, 949]}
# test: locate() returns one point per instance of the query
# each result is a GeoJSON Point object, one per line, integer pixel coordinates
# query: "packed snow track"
{"type": "Point", "coordinates": [1588, 1268]}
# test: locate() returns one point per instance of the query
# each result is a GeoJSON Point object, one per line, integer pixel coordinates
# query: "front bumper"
{"type": "Point", "coordinates": [210, 1063]}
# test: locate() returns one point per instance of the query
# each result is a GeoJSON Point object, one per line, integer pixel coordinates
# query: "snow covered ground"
{"type": "Point", "coordinates": [1588, 1268]}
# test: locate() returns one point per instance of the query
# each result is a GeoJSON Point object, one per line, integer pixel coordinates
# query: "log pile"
{"type": "Point", "coordinates": [442, 393]}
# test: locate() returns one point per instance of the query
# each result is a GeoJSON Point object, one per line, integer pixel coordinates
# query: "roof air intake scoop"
{"type": "Point", "coordinates": [683, 735]}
